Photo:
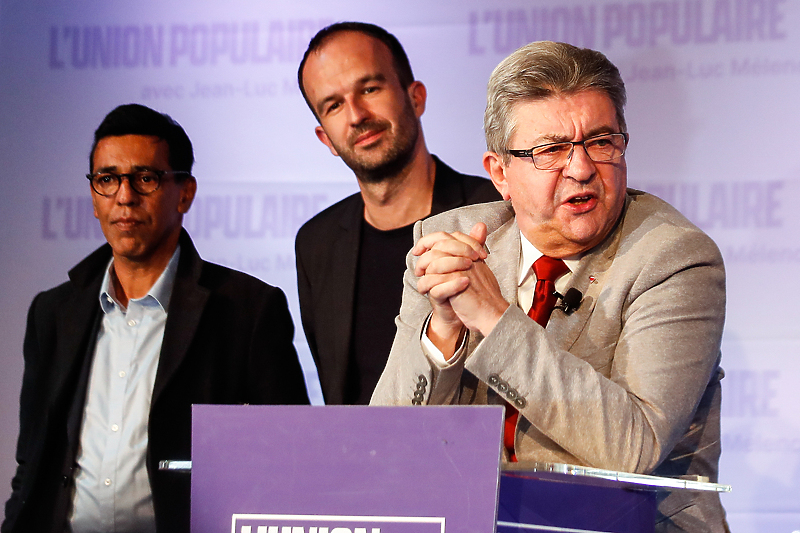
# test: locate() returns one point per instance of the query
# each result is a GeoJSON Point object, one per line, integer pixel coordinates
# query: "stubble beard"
{"type": "Point", "coordinates": [397, 155]}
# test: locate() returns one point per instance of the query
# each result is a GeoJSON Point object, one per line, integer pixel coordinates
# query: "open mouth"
{"type": "Point", "coordinates": [580, 200]}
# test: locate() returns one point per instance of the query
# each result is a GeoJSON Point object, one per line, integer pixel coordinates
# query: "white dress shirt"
{"type": "Point", "coordinates": [112, 488]}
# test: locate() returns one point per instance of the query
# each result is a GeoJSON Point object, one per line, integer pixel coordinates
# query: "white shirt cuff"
{"type": "Point", "coordinates": [435, 354]}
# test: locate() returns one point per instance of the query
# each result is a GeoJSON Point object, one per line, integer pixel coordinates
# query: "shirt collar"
{"type": "Point", "coordinates": [161, 291]}
{"type": "Point", "coordinates": [529, 254]}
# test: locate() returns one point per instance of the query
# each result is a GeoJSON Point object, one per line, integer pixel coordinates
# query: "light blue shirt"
{"type": "Point", "coordinates": [112, 488]}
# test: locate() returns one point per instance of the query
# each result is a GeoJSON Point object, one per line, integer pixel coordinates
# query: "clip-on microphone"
{"type": "Point", "coordinates": [570, 301]}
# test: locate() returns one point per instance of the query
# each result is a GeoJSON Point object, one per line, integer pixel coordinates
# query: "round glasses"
{"type": "Point", "coordinates": [142, 181]}
{"type": "Point", "coordinates": [600, 148]}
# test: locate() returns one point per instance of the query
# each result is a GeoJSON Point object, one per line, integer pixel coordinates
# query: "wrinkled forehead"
{"type": "Point", "coordinates": [562, 117]}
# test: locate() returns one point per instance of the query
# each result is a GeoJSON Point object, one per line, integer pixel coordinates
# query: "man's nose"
{"type": "Point", "coordinates": [580, 166]}
{"type": "Point", "coordinates": [125, 194]}
{"type": "Point", "coordinates": [358, 111]}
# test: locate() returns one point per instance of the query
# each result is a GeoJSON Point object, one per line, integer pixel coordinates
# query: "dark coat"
{"type": "Point", "coordinates": [327, 249]}
{"type": "Point", "coordinates": [227, 340]}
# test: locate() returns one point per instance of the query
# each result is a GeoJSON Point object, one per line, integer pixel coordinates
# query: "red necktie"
{"type": "Point", "coordinates": [547, 271]}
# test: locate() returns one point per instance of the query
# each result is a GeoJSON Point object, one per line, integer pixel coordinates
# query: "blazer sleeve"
{"type": "Point", "coordinates": [27, 414]}
{"type": "Point", "coordinates": [275, 375]}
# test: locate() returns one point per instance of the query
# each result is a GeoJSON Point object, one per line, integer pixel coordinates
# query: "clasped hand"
{"type": "Point", "coordinates": [461, 288]}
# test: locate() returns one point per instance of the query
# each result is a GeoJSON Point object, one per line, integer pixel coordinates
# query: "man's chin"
{"type": "Point", "coordinates": [127, 247]}
{"type": "Point", "coordinates": [373, 176]}
{"type": "Point", "coordinates": [586, 238]}
{"type": "Point", "coordinates": [382, 170]}
{"type": "Point", "coordinates": [366, 163]}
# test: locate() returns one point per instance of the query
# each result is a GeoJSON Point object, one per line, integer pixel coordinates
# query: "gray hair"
{"type": "Point", "coordinates": [537, 71]}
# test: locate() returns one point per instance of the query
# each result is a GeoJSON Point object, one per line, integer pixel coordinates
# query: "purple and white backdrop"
{"type": "Point", "coordinates": [712, 87]}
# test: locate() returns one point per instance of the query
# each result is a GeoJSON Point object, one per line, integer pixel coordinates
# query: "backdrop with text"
{"type": "Point", "coordinates": [704, 78]}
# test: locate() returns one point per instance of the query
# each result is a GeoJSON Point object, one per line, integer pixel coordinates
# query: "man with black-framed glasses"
{"type": "Point", "coordinates": [592, 312]}
{"type": "Point", "coordinates": [144, 328]}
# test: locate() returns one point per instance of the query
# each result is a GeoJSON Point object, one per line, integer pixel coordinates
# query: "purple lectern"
{"type": "Point", "coordinates": [345, 469]}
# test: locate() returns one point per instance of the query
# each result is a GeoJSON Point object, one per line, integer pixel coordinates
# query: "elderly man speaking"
{"type": "Point", "coordinates": [592, 311]}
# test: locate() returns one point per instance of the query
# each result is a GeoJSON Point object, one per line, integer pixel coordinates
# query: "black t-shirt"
{"type": "Point", "coordinates": [379, 292]}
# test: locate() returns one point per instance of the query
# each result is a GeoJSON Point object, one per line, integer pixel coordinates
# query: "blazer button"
{"type": "Point", "coordinates": [520, 403]}
{"type": "Point", "coordinates": [502, 386]}
{"type": "Point", "coordinates": [422, 380]}
{"type": "Point", "coordinates": [494, 379]}
{"type": "Point", "coordinates": [512, 394]}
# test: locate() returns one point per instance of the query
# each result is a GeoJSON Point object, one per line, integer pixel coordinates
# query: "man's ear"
{"type": "Point", "coordinates": [323, 138]}
{"type": "Point", "coordinates": [188, 191]}
{"type": "Point", "coordinates": [493, 163]}
{"type": "Point", "coordinates": [418, 95]}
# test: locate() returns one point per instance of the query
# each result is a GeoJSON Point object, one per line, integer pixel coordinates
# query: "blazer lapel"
{"type": "Point", "coordinates": [186, 307]}
{"type": "Point", "coordinates": [75, 327]}
{"type": "Point", "coordinates": [334, 304]}
{"type": "Point", "coordinates": [589, 278]}
{"type": "Point", "coordinates": [341, 292]}
{"type": "Point", "coordinates": [76, 322]}
{"type": "Point", "coordinates": [503, 246]}
{"type": "Point", "coordinates": [185, 310]}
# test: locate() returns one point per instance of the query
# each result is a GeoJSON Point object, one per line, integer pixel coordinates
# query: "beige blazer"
{"type": "Point", "coordinates": [629, 381]}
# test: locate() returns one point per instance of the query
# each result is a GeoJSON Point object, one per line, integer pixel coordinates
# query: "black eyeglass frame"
{"type": "Point", "coordinates": [129, 175]}
{"type": "Point", "coordinates": [529, 153]}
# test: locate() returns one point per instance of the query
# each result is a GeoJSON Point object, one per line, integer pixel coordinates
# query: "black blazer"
{"type": "Point", "coordinates": [326, 249]}
{"type": "Point", "coordinates": [227, 340]}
